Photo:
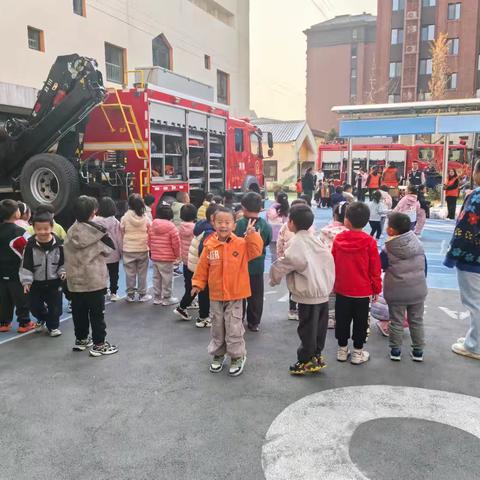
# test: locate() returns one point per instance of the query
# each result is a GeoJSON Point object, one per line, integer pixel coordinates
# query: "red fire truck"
{"type": "Point", "coordinates": [166, 142]}
{"type": "Point", "coordinates": [332, 158]}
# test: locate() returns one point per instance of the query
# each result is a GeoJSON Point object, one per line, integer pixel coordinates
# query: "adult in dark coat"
{"type": "Point", "coordinates": [308, 183]}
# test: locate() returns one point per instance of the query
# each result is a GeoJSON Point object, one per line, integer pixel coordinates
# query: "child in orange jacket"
{"type": "Point", "coordinates": [223, 266]}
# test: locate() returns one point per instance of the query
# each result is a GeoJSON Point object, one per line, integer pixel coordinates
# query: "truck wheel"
{"type": "Point", "coordinates": [49, 179]}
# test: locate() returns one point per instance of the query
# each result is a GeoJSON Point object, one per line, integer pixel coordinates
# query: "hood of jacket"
{"type": "Point", "coordinates": [84, 234]}
{"type": "Point", "coordinates": [133, 219]}
{"type": "Point", "coordinates": [404, 246]}
{"type": "Point", "coordinates": [161, 227]}
{"type": "Point", "coordinates": [352, 242]}
{"type": "Point", "coordinates": [185, 229]}
{"type": "Point", "coordinates": [106, 222]}
{"type": "Point", "coordinates": [409, 201]}
{"type": "Point", "coordinates": [203, 226]}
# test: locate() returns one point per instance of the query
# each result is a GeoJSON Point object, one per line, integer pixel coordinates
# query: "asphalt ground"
{"type": "Point", "coordinates": [154, 411]}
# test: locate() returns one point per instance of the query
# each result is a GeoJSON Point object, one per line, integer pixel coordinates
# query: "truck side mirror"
{"type": "Point", "coordinates": [270, 152]}
{"type": "Point", "coordinates": [270, 142]}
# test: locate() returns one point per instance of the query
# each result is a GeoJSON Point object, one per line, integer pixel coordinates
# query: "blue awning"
{"type": "Point", "coordinates": [388, 126]}
{"type": "Point", "coordinates": [459, 124]}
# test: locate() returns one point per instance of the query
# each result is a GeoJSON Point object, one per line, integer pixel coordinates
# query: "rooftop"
{"type": "Point", "coordinates": [282, 131]}
{"type": "Point", "coordinates": [342, 21]}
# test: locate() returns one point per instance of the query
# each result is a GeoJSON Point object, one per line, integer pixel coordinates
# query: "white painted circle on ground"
{"type": "Point", "coordinates": [310, 439]}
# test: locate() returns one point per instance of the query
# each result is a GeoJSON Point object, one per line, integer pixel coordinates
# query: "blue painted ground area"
{"type": "Point", "coordinates": [435, 238]}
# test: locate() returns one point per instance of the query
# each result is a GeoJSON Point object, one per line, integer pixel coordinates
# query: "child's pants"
{"type": "Point", "coordinates": [187, 298]}
{"type": "Point", "coordinates": [136, 265]}
{"type": "Point", "coordinates": [12, 296]}
{"type": "Point", "coordinates": [51, 296]}
{"type": "Point", "coordinates": [162, 280]}
{"type": "Point", "coordinates": [469, 284]}
{"type": "Point", "coordinates": [415, 323]}
{"type": "Point", "coordinates": [254, 303]}
{"type": "Point", "coordinates": [204, 304]}
{"type": "Point", "coordinates": [293, 306]}
{"type": "Point", "coordinates": [348, 309]}
{"type": "Point", "coordinates": [113, 274]}
{"type": "Point", "coordinates": [227, 329]}
{"type": "Point", "coordinates": [376, 226]}
{"type": "Point", "coordinates": [88, 310]}
{"type": "Point", "coordinates": [273, 251]}
{"type": "Point", "coordinates": [312, 330]}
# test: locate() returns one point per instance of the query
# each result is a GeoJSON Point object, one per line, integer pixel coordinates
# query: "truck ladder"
{"type": "Point", "coordinates": [131, 125]}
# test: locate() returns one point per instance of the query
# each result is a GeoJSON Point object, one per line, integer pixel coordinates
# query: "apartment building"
{"type": "Point", "coordinates": [340, 66]}
{"type": "Point", "coordinates": [206, 40]}
{"type": "Point", "coordinates": [405, 30]}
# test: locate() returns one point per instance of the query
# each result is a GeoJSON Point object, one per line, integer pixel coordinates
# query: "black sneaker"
{"type": "Point", "coordinates": [301, 368]}
{"type": "Point", "coordinates": [395, 354]}
{"type": "Point", "coordinates": [103, 349]}
{"type": "Point", "coordinates": [417, 355]}
{"type": "Point", "coordinates": [320, 360]}
{"type": "Point", "coordinates": [183, 314]}
{"type": "Point", "coordinates": [81, 345]}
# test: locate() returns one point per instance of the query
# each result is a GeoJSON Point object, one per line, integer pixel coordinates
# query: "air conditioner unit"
{"type": "Point", "coordinates": [410, 49]}
{"type": "Point", "coordinates": [412, 15]}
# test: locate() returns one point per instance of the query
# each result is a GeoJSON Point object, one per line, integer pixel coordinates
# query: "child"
{"type": "Point", "coordinates": [164, 244]}
{"type": "Point", "coordinates": [337, 198]}
{"type": "Point", "coordinates": [202, 231]}
{"type": "Point", "coordinates": [182, 198]}
{"type": "Point", "coordinates": [13, 240]}
{"type": "Point", "coordinates": [188, 214]}
{"type": "Point", "coordinates": [378, 211]}
{"type": "Point", "coordinates": [298, 187]}
{"type": "Point", "coordinates": [328, 235]}
{"type": "Point", "coordinates": [25, 215]}
{"type": "Point", "coordinates": [277, 216]}
{"type": "Point", "coordinates": [223, 266]}
{"type": "Point", "coordinates": [405, 285]}
{"type": "Point", "coordinates": [252, 205]}
{"type": "Point", "coordinates": [149, 200]}
{"type": "Point", "coordinates": [41, 274]}
{"type": "Point", "coordinates": [201, 215]}
{"type": "Point", "coordinates": [106, 218]}
{"type": "Point", "coordinates": [86, 247]}
{"type": "Point", "coordinates": [410, 205]}
{"type": "Point", "coordinates": [357, 278]}
{"type": "Point", "coordinates": [285, 236]}
{"type": "Point", "coordinates": [310, 272]}
{"type": "Point", "coordinates": [135, 226]}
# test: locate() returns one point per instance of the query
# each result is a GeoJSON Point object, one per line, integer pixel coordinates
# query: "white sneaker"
{"type": "Point", "coordinates": [203, 322]}
{"type": "Point", "coordinates": [342, 354]}
{"type": "Point", "coordinates": [217, 363]}
{"type": "Point", "coordinates": [193, 306]}
{"type": "Point", "coordinates": [331, 323]}
{"type": "Point", "coordinates": [130, 298]}
{"type": "Point", "coordinates": [40, 327]}
{"type": "Point", "coordinates": [170, 301]}
{"type": "Point", "coordinates": [236, 366]}
{"type": "Point", "coordinates": [144, 298]}
{"type": "Point", "coordinates": [359, 357]}
{"type": "Point", "coordinates": [157, 301]}
{"type": "Point", "coordinates": [55, 332]}
{"type": "Point", "coordinates": [292, 315]}
{"type": "Point", "coordinates": [459, 349]}
{"type": "Point", "coordinates": [114, 297]}
{"type": "Point", "coordinates": [461, 340]}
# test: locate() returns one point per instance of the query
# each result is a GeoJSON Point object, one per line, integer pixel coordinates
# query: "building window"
{"type": "Point", "coordinates": [115, 63]}
{"type": "Point", "coordinates": [216, 10]}
{"type": "Point", "coordinates": [207, 62]}
{"type": "Point", "coordinates": [79, 7]}
{"type": "Point", "coordinates": [239, 146]}
{"type": "Point", "coordinates": [395, 69]}
{"type": "Point", "coordinates": [452, 82]}
{"type": "Point", "coordinates": [424, 96]}
{"type": "Point", "coordinates": [429, 3]}
{"type": "Point", "coordinates": [454, 11]}
{"type": "Point", "coordinates": [36, 39]}
{"type": "Point", "coordinates": [270, 170]}
{"type": "Point", "coordinates": [428, 33]}
{"type": "Point", "coordinates": [397, 36]}
{"type": "Point", "coordinates": [162, 52]}
{"type": "Point", "coordinates": [355, 35]}
{"type": "Point", "coordinates": [398, 5]}
{"type": "Point", "coordinates": [223, 87]}
{"type": "Point", "coordinates": [453, 46]}
{"type": "Point", "coordinates": [394, 98]}
{"type": "Point", "coordinates": [426, 66]}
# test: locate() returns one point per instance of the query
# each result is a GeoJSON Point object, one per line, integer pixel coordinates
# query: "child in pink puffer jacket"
{"type": "Point", "coordinates": [410, 205]}
{"type": "Point", "coordinates": [164, 244]}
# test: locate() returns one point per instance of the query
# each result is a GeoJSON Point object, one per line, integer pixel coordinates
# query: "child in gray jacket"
{"type": "Point", "coordinates": [310, 270]}
{"type": "Point", "coordinates": [405, 285]}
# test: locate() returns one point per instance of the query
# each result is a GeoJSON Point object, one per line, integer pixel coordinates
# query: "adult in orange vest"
{"type": "Point", "coordinates": [452, 190]}
{"type": "Point", "coordinates": [391, 177]}
{"type": "Point", "coordinates": [373, 182]}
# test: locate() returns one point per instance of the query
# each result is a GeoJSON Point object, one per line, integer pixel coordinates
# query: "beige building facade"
{"type": "Point", "coordinates": [205, 40]}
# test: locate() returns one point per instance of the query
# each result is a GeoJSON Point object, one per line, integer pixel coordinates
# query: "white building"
{"type": "Point", "coordinates": [206, 40]}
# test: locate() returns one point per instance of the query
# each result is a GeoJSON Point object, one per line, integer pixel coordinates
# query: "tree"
{"type": "Point", "coordinates": [332, 135]}
{"type": "Point", "coordinates": [440, 71]}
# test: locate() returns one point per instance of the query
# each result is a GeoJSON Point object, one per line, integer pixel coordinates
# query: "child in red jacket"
{"type": "Point", "coordinates": [164, 244]}
{"type": "Point", "coordinates": [358, 278]}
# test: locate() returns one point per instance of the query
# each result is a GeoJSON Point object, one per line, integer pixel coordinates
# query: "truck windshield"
{"type": "Point", "coordinates": [456, 155]}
